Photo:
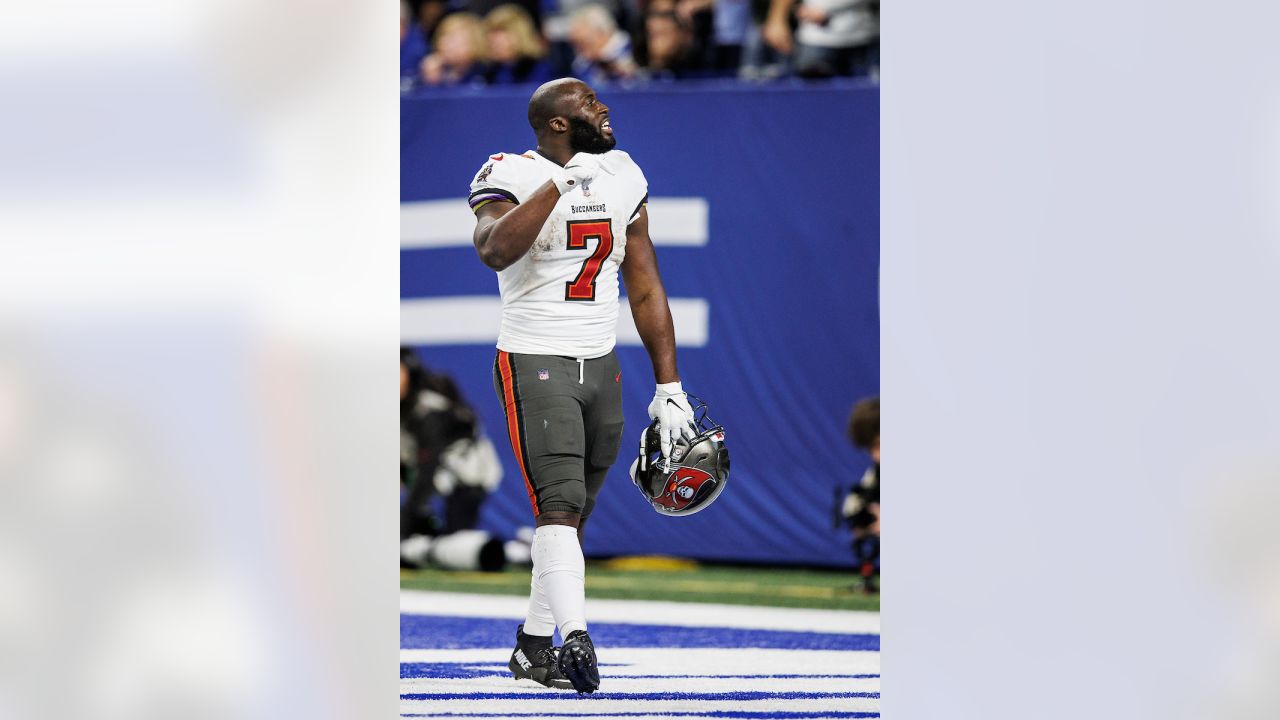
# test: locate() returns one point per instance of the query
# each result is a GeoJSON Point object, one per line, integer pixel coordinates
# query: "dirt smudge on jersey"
{"type": "Point", "coordinates": [552, 236]}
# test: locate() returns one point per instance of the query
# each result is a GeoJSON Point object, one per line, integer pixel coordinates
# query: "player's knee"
{"type": "Point", "coordinates": [569, 496]}
{"type": "Point", "coordinates": [559, 517]}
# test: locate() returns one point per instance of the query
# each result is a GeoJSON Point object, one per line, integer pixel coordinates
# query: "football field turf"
{"type": "Point", "coordinates": [659, 658]}
{"type": "Point", "coordinates": [662, 579]}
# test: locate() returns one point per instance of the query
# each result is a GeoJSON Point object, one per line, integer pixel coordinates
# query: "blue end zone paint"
{"type": "Point", "coordinates": [486, 670]}
{"type": "Point", "coordinates": [790, 695]}
{"type": "Point", "coordinates": [784, 714]}
{"type": "Point", "coordinates": [450, 633]}
{"type": "Point", "coordinates": [450, 670]}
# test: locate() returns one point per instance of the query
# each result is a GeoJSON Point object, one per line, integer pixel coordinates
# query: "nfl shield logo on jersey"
{"type": "Point", "coordinates": [543, 374]}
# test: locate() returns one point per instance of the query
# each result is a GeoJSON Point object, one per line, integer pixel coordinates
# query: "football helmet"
{"type": "Point", "coordinates": [693, 476]}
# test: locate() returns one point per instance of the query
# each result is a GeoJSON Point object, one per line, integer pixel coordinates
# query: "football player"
{"type": "Point", "coordinates": [557, 223]}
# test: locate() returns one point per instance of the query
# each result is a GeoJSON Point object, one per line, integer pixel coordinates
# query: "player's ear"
{"type": "Point", "coordinates": [558, 124]}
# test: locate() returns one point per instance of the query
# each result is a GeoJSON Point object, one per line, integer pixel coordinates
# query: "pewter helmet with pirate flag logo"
{"type": "Point", "coordinates": [695, 474]}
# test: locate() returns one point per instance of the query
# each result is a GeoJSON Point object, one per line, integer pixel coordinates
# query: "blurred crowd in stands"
{"type": "Point", "coordinates": [631, 42]}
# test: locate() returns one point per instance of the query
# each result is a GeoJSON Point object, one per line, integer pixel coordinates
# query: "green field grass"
{"type": "Point", "coordinates": [675, 581]}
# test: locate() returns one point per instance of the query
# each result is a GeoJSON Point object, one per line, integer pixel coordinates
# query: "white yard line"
{"type": "Point", "coordinates": [618, 704]}
{"type": "Point", "coordinates": [622, 684]}
{"type": "Point", "coordinates": [645, 612]}
{"type": "Point", "coordinates": [685, 661]}
{"type": "Point", "coordinates": [686, 680]}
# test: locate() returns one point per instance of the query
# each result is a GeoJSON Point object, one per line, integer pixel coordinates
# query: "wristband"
{"type": "Point", "coordinates": [670, 389]}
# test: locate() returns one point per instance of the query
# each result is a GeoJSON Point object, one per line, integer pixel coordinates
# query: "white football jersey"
{"type": "Point", "coordinates": [561, 298]}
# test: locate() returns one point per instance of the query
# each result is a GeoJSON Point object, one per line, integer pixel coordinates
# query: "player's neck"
{"type": "Point", "coordinates": [557, 155]}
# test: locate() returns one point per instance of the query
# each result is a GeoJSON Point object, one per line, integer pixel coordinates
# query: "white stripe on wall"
{"type": "Point", "coordinates": [678, 221]}
{"type": "Point", "coordinates": [436, 223]}
{"type": "Point", "coordinates": [475, 320]}
{"type": "Point", "coordinates": [450, 320]}
{"type": "Point", "coordinates": [673, 221]}
{"type": "Point", "coordinates": [690, 316]}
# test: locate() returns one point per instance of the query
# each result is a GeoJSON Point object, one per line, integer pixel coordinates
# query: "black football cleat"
{"type": "Point", "coordinates": [536, 661]}
{"type": "Point", "coordinates": [578, 662]}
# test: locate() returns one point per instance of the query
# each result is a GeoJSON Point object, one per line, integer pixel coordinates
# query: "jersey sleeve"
{"type": "Point", "coordinates": [627, 167]}
{"type": "Point", "coordinates": [636, 214]}
{"type": "Point", "coordinates": [499, 179]}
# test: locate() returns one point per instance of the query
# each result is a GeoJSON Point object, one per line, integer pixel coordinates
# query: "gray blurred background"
{"type": "Point", "coordinates": [198, 299]}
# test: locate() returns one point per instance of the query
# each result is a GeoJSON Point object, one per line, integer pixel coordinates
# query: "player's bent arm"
{"type": "Point", "coordinates": [505, 231]}
{"type": "Point", "coordinates": [649, 300]}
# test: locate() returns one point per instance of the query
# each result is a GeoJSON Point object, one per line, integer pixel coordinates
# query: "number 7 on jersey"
{"type": "Point", "coordinates": [583, 287]}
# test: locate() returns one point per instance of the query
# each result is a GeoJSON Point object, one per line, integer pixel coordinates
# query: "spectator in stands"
{"type": "Point", "coordinates": [760, 61]}
{"type": "Point", "coordinates": [555, 27]}
{"type": "Point", "coordinates": [602, 51]}
{"type": "Point", "coordinates": [834, 37]}
{"type": "Point", "coordinates": [429, 14]}
{"type": "Point", "coordinates": [459, 52]}
{"type": "Point", "coordinates": [482, 8]}
{"type": "Point", "coordinates": [670, 43]}
{"type": "Point", "coordinates": [515, 49]}
{"type": "Point", "coordinates": [731, 23]}
{"type": "Point", "coordinates": [696, 16]}
{"type": "Point", "coordinates": [413, 46]}
{"type": "Point", "coordinates": [862, 505]}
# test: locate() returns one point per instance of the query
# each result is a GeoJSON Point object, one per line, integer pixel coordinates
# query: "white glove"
{"type": "Point", "coordinates": [674, 416]}
{"type": "Point", "coordinates": [578, 172]}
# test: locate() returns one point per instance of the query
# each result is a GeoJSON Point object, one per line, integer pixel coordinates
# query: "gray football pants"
{"type": "Point", "coordinates": [564, 421]}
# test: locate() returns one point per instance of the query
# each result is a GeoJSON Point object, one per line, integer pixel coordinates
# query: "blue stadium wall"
{"type": "Point", "coordinates": [782, 280]}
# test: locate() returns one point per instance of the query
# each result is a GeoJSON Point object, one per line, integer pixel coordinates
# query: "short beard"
{"type": "Point", "coordinates": [583, 137]}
